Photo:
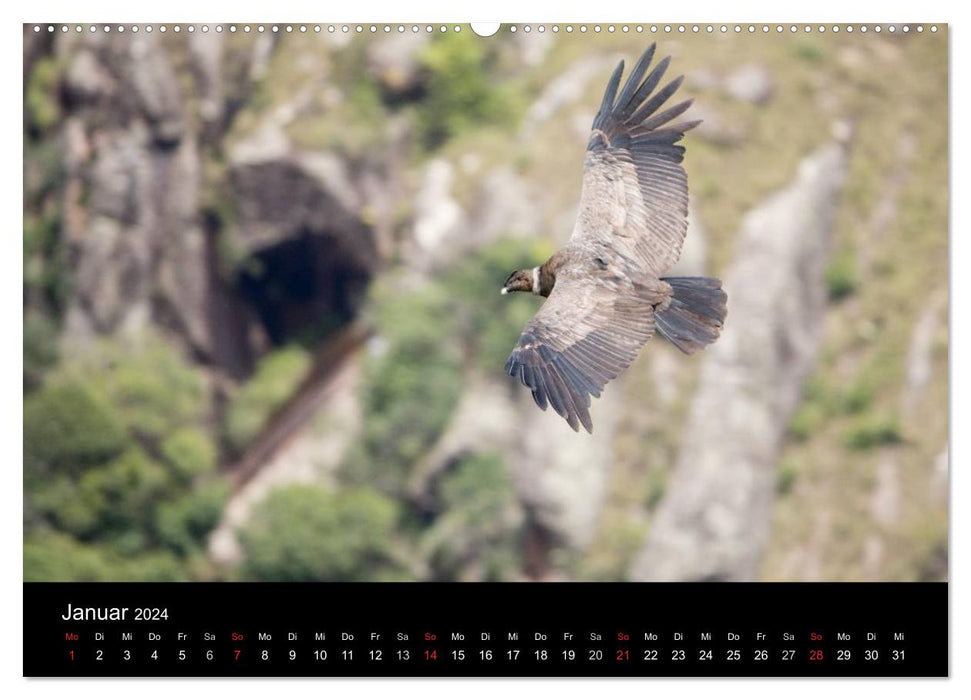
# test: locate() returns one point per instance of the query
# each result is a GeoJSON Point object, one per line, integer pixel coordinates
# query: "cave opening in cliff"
{"type": "Point", "coordinates": [303, 288]}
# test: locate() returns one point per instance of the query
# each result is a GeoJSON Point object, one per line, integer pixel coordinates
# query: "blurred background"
{"type": "Point", "coordinates": [263, 338]}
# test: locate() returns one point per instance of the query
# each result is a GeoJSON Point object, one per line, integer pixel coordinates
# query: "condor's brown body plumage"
{"type": "Point", "coordinates": [605, 292]}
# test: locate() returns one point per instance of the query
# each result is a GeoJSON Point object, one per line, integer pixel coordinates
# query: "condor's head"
{"type": "Point", "coordinates": [522, 281]}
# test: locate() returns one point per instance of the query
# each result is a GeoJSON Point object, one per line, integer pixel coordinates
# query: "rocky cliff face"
{"type": "Point", "coordinates": [131, 196]}
{"type": "Point", "coordinates": [167, 228]}
{"type": "Point", "coordinates": [715, 520]}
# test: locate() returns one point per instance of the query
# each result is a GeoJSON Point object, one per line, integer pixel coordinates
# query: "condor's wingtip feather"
{"type": "Point", "coordinates": [624, 112]}
{"type": "Point", "coordinates": [664, 117]}
{"type": "Point", "coordinates": [634, 79]}
{"type": "Point", "coordinates": [607, 104]}
{"type": "Point", "coordinates": [658, 99]}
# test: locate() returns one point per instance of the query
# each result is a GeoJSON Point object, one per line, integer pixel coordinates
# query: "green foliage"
{"type": "Point", "coordinates": [190, 453]}
{"type": "Point", "coordinates": [41, 95]}
{"type": "Point", "coordinates": [276, 378]}
{"type": "Point", "coordinates": [114, 452]}
{"type": "Point", "coordinates": [43, 175]}
{"type": "Point", "coordinates": [461, 93]}
{"type": "Point", "coordinates": [124, 492]}
{"type": "Point", "coordinates": [841, 277]}
{"type": "Point", "coordinates": [305, 533]}
{"type": "Point", "coordinates": [487, 322]}
{"type": "Point", "coordinates": [69, 425]}
{"type": "Point", "coordinates": [857, 397]}
{"type": "Point", "coordinates": [869, 432]}
{"type": "Point", "coordinates": [410, 386]}
{"type": "Point", "coordinates": [57, 557]}
{"type": "Point", "coordinates": [786, 477]}
{"type": "Point", "coordinates": [479, 487]}
{"type": "Point", "coordinates": [40, 348]}
{"type": "Point", "coordinates": [428, 337]}
{"type": "Point", "coordinates": [806, 420]}
{"type": "Point", "coordinates": [183, 525]}
{"type": "Point", "coordinates": [476, 533]}
{"type": "Point", "coordinates": [57, 500]}
{"type": "Point", "coordinates": [47, 278]}
{"type": "Point", "coordinates": [153, 388]}
{"type": "Point", "coordinates": [809, 51]}
{"type": "Point", "coordinates": [354, 124]}
{"type": "Point", "coordinates": [656, 488]}
{"type": "Point", "coordinates": [823, 402]}
{"type": "Point", "coordinates": [51, 556]}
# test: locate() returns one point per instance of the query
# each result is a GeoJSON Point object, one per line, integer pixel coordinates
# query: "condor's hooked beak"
{"type": "Point", "coordinates": [504, 290]}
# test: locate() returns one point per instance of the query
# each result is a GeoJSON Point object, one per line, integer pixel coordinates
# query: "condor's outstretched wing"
{"type": "Point", "coordinates": [635, 193]}
{"type": "Point", "coordinates": [586, 333]}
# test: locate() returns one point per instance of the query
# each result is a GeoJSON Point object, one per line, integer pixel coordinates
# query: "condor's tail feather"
{"type": "Point", "coordinates": [696, 314]}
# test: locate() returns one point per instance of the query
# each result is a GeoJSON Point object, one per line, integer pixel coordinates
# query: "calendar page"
{"type": "Point", "coordinates": [498, 350]}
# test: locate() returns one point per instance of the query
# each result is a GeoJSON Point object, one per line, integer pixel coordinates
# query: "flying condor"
{"type": "Point", "coordinates": [605, 293]}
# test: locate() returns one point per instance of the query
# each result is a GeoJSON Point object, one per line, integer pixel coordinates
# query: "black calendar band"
{"type": "Point", "coordinates": [485, 629]}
